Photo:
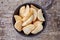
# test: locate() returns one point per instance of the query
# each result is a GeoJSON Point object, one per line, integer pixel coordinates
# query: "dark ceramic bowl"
{"type": "Point", "coordinates": [17, 13]}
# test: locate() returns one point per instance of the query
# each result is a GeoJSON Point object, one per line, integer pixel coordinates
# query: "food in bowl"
{"type": "Point", "coordinates": [29, 20]}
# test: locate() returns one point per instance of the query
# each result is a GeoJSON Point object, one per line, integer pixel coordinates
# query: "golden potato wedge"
{"type": "Point", "coordinates": [27, 29]}
{"type": "Point", "coordinates": [18, 25]}
{"type": "Point", "coordinates": [28, 15]}
{"type": "Point", "coordinates": [38, 27]}
{"type": "Point", "coordinates": [17, 18]}
{"type": "Point", "coordinates": [26, 10]}
{"type": "Point", "coordinates": [28, 21]}
{"type": "Point", "coordinates": [37, 22]}
{"type": "Point", "coordinates": [21, 11]}
{"type": "Point", "coordinates": [40, 15]}
{"type": "Point", "coordinates": [34, 14]}
{"type": "Point", "coordinates": [32, 6]}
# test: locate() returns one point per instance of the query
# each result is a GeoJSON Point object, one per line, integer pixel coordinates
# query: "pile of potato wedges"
{"type": "Point", "coordinates": [29, 20]}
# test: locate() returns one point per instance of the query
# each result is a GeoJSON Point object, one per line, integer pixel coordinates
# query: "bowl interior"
{"type": "Point", "coordinates": [17, 13]}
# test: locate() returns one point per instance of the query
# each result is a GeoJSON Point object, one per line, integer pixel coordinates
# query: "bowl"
{"type": "Point", "coordinates": [16, 12]}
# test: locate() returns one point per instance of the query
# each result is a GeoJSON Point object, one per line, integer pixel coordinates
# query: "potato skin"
{"type": "Point", "coordinates": [18, 26]}
{"type": "Point", "coordinates": [32, 6]}
{"type": "Point", "coordinates": [28, 15]}
{"type": "Point", "coordinates": [27, 29]}
{"type": "Point", "coordinates": [21, 11]}
{"type": "Point", "coordinates": [17, 18]}
{"type": "Point", "coordinates": [38, 27]}
{"type": "Point", "coordinates": [28, 21]}
{"type": "Point", "coordinates": [40, 15]}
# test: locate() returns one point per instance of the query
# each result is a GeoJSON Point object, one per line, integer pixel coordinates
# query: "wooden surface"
{"type": "Point", "coordinates": [7, 32]}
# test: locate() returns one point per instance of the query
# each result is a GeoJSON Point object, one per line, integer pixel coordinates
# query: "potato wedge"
{"type": "Point", "coordinates": [32, 6]}
{"type": "Point", "coordinates": [26, 10]}
{"type": "Point", "coordinates": [28, 21]}
{"type": "Point", "coordinates": [28, 15]}
{"type": "Point", "coordinates": [38, 28]}
{"type": "Point", "coordinates": [21, 11]}
{"type": "Point", "coordinates": [17, 18]}
{"type": "Point", "coordinates": [18, 25]}
{"type": "Point", "coordinates": [27, 29]}
{"type": "Point", "coordinates": [40, 15]}
{"type": "Point", "coordinates": [34, 14]}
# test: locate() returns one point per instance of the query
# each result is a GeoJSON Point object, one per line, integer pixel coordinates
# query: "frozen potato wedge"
{"type": "Point", "coordinates": [34, 14]}
{"type": "Point", "coordinates": [27, 29]}
{"type": "Point", "coordinates": [32, 6]}
{"type": "Point", "coordinates": [21, 11]}
{"type": "Point", "coordinates": [28, 15]}
{"type": "Point", "coordinates": [38, 28]}
{"type": "Point", "coordinates": [28, 21]}
{"type": "Point", "coordinates": [18, 25]}
{"type": "Point", "coordinates": [40, 15]}
{"type": "Point", "coordinates": [17, 18]}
